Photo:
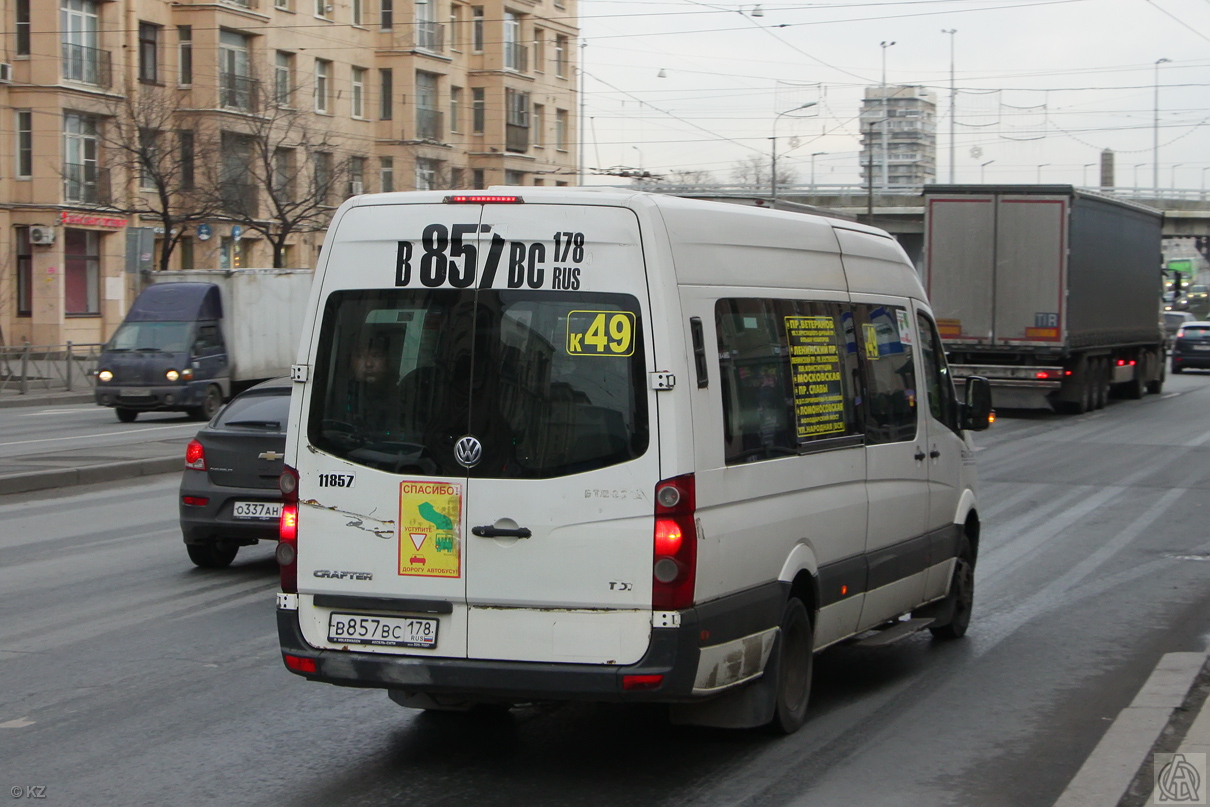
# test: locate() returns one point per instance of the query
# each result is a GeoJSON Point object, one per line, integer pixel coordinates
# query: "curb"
{"type": "Point", "coordinates": [45, 399]}
{"type": "Point", "coordinates": [87, 475]}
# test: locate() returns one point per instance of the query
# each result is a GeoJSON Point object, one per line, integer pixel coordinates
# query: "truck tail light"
{"type": "Point", "coordinates": [195, 456]}
{"type": "Point", "coordinates": [674, 562]}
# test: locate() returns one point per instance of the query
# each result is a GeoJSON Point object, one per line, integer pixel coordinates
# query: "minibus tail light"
{"type": "Point", "coordinates": [287, 548]}
{"type": "Point", "coordinates": [674, 562]}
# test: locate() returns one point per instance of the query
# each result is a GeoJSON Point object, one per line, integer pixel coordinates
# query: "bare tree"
{"type": "Point", "coordinates": [754, 172]}
{"type": "Point", "coordinates": [281, 172]}
{"type": "Point", "coordinates": [686, 178]}
{"type": "Point", "coordinates": [154, 138]}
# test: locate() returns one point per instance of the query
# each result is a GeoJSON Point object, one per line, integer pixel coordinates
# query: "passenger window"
{"type": "Point", "coordinates": [943, 403]}
{"type": "Point", "coordinates": [885, 339]}
{"type": "Point", "coordinates": [787, 370]}
{"type": "Point", "coordinates": [208, 341]}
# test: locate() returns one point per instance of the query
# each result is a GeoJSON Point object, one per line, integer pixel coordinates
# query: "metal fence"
{"type": "Point", "coordinates": [48, 368]}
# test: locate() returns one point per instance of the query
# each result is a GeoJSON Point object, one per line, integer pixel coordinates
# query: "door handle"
{"type": "Point", "coordinates": [934, 453]}
{"type": "Point", "coordinates": [501, 532]}
{"type": "Point", "coordinates": [919, 455]}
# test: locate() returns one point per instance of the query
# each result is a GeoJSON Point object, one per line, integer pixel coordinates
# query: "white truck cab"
{"type": "Point", "coordinates": [608, 445]}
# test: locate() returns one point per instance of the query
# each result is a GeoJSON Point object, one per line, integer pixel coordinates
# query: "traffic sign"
{"type": "Point", "coordinates": [236, 232]}
{"type": "Point", "coordinates": [203, 232]}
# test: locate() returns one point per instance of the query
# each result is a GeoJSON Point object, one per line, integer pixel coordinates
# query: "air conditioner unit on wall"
{"type": "Point", "coordinates": [42, 235]}
{"type": "Point", "coordinates": [6, 73]}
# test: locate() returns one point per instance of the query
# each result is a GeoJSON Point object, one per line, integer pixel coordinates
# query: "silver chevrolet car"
{"type": "Point", "coordinates": [229, 491]}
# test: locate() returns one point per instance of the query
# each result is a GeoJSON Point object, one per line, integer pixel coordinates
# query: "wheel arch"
{"type": "Point", "coordinates": [800, 576]}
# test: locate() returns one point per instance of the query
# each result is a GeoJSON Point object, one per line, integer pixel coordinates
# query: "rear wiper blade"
{"type": "Point", "coordinates": [268, 424]}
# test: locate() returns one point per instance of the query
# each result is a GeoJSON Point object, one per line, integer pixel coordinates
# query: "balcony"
{"type": "Point", "coordinates": [85, 183]}
{"type": "Point", "coordinates": [516, 138]}
{"type": "Point", "coordinates": [87, 65]}
{"type": "Point", "coordinates": [429, 125]}
{"type": "Point", "coordinates": [238, 92]}
{"type": "Point", "coordinates": [516, 57]}
{"type": "Point", "coordinates": [239, 197]}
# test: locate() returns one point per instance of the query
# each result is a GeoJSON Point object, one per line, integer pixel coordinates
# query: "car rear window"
{"type": "Point", "coordinates": [550, 383]}
{"type": "Point", "coordinates": [1195, 332]}
{"type": "Point", "coordinates": [266, 412]}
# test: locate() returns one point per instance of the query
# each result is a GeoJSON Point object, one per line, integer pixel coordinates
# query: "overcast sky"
{"type": "Point", "coordinates": [1047, 83]}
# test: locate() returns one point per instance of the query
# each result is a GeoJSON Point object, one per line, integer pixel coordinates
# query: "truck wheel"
{"type": "Point", "coordinates": [961, 599]}
{"type": "Point", "coordinates": [792, 661]}
{"type": "Point", "coordinates": [1134, 388]}
{"type": "Point", "coordinates": [1102, 383]}
{"type": "Point", "coordinates": [127, 415]}
{"type": "Point", "coordinates": [210, 404]}
{"type": "Point", "coordinates": [213, 555]}
{"type": "Point", "coordinates": [1156, 386]}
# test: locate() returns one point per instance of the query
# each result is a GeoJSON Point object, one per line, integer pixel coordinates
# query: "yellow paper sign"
{"type": "Point", "coordinates": [430, 529]}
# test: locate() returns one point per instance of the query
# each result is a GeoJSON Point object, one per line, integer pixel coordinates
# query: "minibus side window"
{"type": "Point", "coordinates": [885, 340]}
{"type": "Point", "coordinates": [943, 403]}
{"type": "Point", "coordinates": [787, 370]}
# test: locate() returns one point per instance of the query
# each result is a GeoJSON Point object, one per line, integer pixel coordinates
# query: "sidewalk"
{"type": "Point", "coordinates": [10, 397]}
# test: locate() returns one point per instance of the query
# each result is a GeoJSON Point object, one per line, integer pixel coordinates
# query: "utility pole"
{"type": "Point", "coordinates": [886, 114]}
{"type": "Point", "coordinates": [580, 163]}
{"type": "Point", "coordinates": [1155, 131]}
{"type": "Point", "coordinates": [953, 95]}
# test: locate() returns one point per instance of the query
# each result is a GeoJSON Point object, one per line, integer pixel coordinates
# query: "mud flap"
{"type": "Point", "coordinates": [748, 706]}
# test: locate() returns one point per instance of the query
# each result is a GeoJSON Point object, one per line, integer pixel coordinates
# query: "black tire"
{"type": "Point", "coordinates": [1134, 388]}
{"type": "Point", "coordinates": [214, 555]}
{"type": "Point", "coordinates": [792, 662]}
{"type": "Point", "coordinates": [127, 415]}
{"type": "Point", "coordinates": [211, 402]}
{"type": "Point", "coordinates": [1177, 369]}
{"type": "Point", "coordinates": [1102, 384]}
{"type": "Point", "coordinates": [960, 601]}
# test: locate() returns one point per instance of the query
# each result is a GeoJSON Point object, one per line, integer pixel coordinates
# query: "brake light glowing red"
{"type": "Point", "coordinates": [195, 456]}
{"type": "Point", "coordinates": [1042, 374]}
{"type": "Point", "coordinates": [287, 548]}
{"type": "Point", "coordinates": [631, 683]}
{"type": "Point", "coordinates": [484, 200]}
{"type": "Point", "coordinates": [300, 664]}
{"type": "Point", "coordinates": [674, 550]}
{"type": "Point", "coordinates": [196, 501]}
{"type": "Point", "coordinates": [1121, 362]}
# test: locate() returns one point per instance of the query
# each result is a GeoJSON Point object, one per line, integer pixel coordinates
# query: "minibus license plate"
{"type": "Point", "coordinates": [257, 510]}
{"type": "Point", "coordinates": [392, 631]}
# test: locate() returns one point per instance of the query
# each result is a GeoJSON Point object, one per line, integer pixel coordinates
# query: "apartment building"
{"type": "Point", "coordinates": [242, 125]}
{"type": "Point", "coordinates": [904, 118]}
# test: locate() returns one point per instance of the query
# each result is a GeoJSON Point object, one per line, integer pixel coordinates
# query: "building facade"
{"type": "Point", "coordinates": [230, 131]}
{"type": "Point", "coordinates": [909, 134]}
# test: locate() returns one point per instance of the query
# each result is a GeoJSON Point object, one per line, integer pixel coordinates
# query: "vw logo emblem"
{"type": "Point", "coordinates": [468, 451]}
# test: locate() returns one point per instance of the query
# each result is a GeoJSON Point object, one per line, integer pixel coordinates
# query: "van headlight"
{"type": "Point", "coordinates": [172, 375]}
{"type": "Point", "coordinates": [105, 376]}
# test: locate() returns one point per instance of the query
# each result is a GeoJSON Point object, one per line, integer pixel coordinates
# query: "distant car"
{"type": "Point", "coordinates": [229, 491]}
{"type": "Point", "coordinates": [1173, 320]}
{"type": "Point", "coordinates": [1192, 347]}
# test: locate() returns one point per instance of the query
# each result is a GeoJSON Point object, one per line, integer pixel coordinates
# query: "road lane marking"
{"type": "Point", "coordinates": [194, 426]}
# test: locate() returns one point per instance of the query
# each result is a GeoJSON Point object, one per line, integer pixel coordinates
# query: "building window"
{"type": "Point", "coordinates": [478, 109]}
{"type": "Point", "coordinates": [539, 50]}
{"type": "Point", "coordinates": [149, 141]}
{"type": "Point", "coordinates": [428, 116]}
{"type": "Point", "coordinates": [560, 56]}
{"type": "Point", "coordinates": [235, 81]}
{"type": "Point", "coordinates": [386, 93]}
{"type": "Point", "coordinates": [561, 129]}
{"type": "Point", "coordinates": [236, 187]}
{"type": "Point", "coordinates": [455, 109]}
{"type": "Point", "coordinates": [284, 5]}
{"type": "Point", "coordinates": [25, 274]}
{"type": "Point", "coordinates": [456, 180]}
{"type": "Point", "coordinates": [357, 176]}
{"type": "Point", "coordinates": [81, 180]}
{"type": "Point", "coordinates": [184, 35]}
{"type": "Point", "coordinates": [428, 31]}
{"type": "Point", "coordinates": [231, 254]}
{"type": "Point", "coordinates": [516, 133]}
{"type": "Point", "coordinates": [323, 77]}
{"type": "Point", "coordinates": [386, 174]}
{"type": "Point", "coordinates": [455, 27]}
{"type": "Point", "coordinates": [184, 248]}
{"type": "Point", "coordinates": [22, 27]}
{"type": "Point", "coordinates": [283, 78]}
{"type": "Point", "coordinates": [321, 8]}
{"type": "Point", "coordinates": [535, 127]}
{"type": "Point", "coordinates": [477, 178]}
{"type": "Point", "coordinates": [149, 53]}
{"type": "Point", "coordinates": [386, 14]}
{"type": "Point", "coordinates": [25, 143]}
{"type": "Point", "coordinates": [514, 51]}
{"type": "Point", "coordinates": [477, 29]}
{"type": "Point", "coordinates": [283, 175]}
{"type": "Point", "coordinates": [426, 174]}
{"type": "Point", "coordinates": [514, 177]}
{"type": "Point", "coordinates": [356, 12]}
{"type": "Point", "coordinates": [83, 61]}
{"type": "Point", "coordinates": [81, 272]}
{"type": "Point", "coordinates": [185, 141]}
{"type": "Point", "coordinates": [322, 177]}
{"type": "Point", "coordinates": [359, 92]}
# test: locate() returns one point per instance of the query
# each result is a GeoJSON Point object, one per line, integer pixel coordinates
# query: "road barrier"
{"type": "Point", "coordinates": [48, 368]}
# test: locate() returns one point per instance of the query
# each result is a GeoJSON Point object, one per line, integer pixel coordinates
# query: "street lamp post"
{"type": "Point", "coordinates": [953, 106]}
{"type": "Point", "coordinates": [1155, 129]}
{"type": "Point", "coordinates": [1086, 167]}
{"type": "Point", "coordinates": [817, 154]}
{"type": "Point", "coordinates": [985, 165]}
{"type": "Point", "coordinates": [1040, 167]}
{"type": "Point", "coordinates": [886, 114]}
{"type": "Point", "coordinates": [1136, 174]}
{"type": "Point", "coordinates": [1204, 170]}
{"type": "Point", "coordinates": [1174, 167]}
{"type": "Point", "coordinates": [773, 148]}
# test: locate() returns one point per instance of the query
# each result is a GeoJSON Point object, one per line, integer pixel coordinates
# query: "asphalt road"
{"type": "Point", "coordinates": [129, 677]}
{"type": "Point", "coordinates": [26, 431]}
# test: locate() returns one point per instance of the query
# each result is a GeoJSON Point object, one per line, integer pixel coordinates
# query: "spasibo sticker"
{"type": "Point", "coordinates": [450, 256]}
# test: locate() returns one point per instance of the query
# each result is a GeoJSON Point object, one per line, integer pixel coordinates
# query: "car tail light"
{"type": "Point", "coordinates": [195, 456]}
{"type": "Point", "coordinates": [674, 565]}
{"type": "Point", "coordinates": [300, 664]}
{"type": "Point", "coordinates": [196, 501]}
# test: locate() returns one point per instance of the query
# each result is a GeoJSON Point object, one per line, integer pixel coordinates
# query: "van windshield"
{"type": "Point", "coordinates": [157, 337]}
{"type": "Point", "coordinates": [551, 383]}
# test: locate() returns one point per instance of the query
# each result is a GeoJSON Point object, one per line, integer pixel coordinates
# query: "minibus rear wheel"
{"type": "Point", "coordinates": [793, 663]}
